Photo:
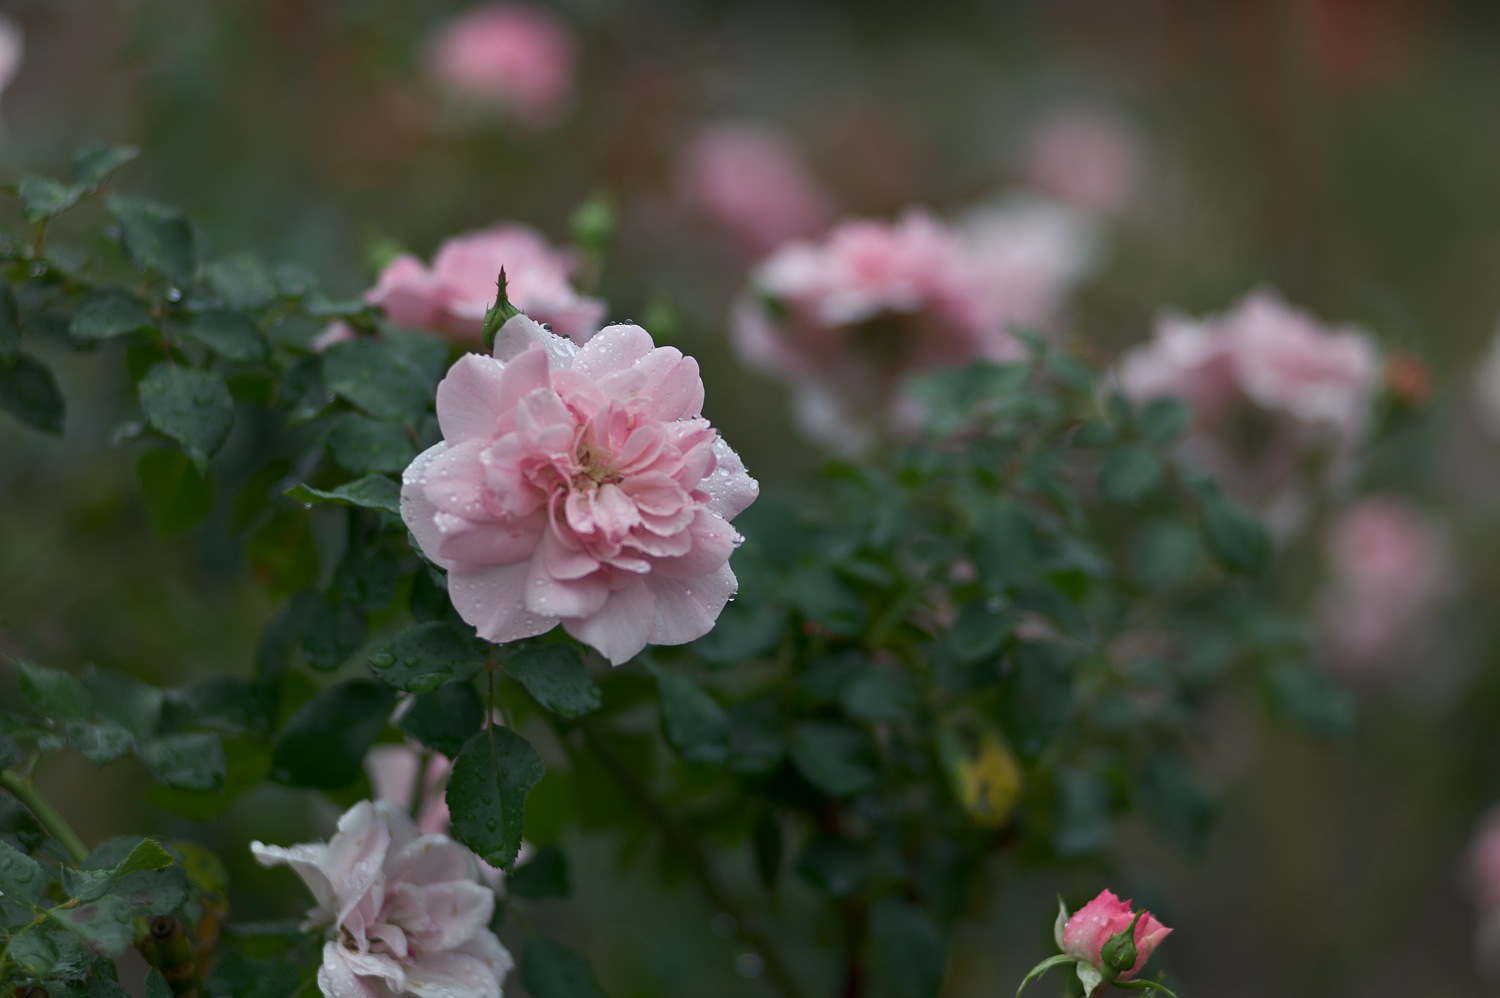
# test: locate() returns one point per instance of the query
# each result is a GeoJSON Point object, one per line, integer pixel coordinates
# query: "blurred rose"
{"type": "Point", "coordinates": [1389, 570]}
{"type": "Point", "coordinates": [1090, 927]}
{"type": "Point", "coordinates": [1483, 881]}
{"type": "Point", "coordinates": [452, 296]}
{"type": "Point", "coordinates": [1084, 157]}
{"type": "Point", "coordinates": [749, 180]}
{"type": "Point", "coordinates": [516, 56]}
{"type": "Point", "coordinates": [393, 775]}
{"type": "Point", "coordinates": [845, 319]}
{"type": "Point", "coordinates": [1272, 389]}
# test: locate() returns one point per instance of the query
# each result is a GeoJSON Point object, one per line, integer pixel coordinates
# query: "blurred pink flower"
{"type": "Point", "coordinates": [453, 295]}
{"type": "Point", "coordinates": [1090, 927]}
{"type": "Point", "coordinates": [516, 56]}
{"type": "Point", "coordinates": [1270, 388]}
{"type": "Point", "coordinates": [1085, 157]}
{"type": "Point", "coordinates": [1389, 570]}
{"type": "Point", "coordinates": [845, 319]}
{"type": "Point", "coordinates": [405, 914]}
{"type": "Point", "coordinates": [748, 179]}
{"type": "Point", "coordinates": [581, 487]}
{"type": "Point", "coordinates": [393, 776]}
{"type": "Point", "coordinates": [1483, 882]}
{"type": "Point", "coordinates": [12, 48]}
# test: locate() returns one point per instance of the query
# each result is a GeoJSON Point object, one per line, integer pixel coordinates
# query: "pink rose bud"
{"type": "Point", "coordinates": [1087, 934]}
{"type": "Point", "coordinates": [453, 295]}
{"type": "Point", "coordinates": [514, 56]}
{"type": "Point", "coordinates": [579, 486]}
{"type": "Point", "coordinates": [749, 180]}
{"type": "Point", "coordinates": [402, 912]}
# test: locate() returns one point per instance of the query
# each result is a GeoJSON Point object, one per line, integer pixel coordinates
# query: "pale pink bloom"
{"type": "Point", "coordinates": [847, 318]}
{"type": "Point", "coordinates": [452, 296]}
{"type": "Point", "coordinates": [749, 180]}
{"type": "Point", "coordinates": [1390, 570]}
{"type": "Point", "coordinates": [1270, 388]}
{"type": "Point", "coordinates": [404, 914]}
{"type": "Point", "coordinates": [1090, 927]}
{"type": "Point", "coordinates": [1085, 157]}
{"type": "Point", "coordinates": [393, 776]}
{"type": "Point", "coordinates": [518, 57]}
{"type": "Point", "coordinates": [579, 486]}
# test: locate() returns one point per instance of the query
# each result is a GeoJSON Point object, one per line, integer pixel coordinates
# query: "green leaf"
{"type": "Point", "coordinates": [156, 985]}
{"type": "Point", "coordinates": [106, 924]}
{"type": "Point", "coordinates": [545, 875]}
{"type": "Point", "coordinates": [283, 555]}
{"type": "Point", "coordinates": [1129, 474]}
{"type": "Point", "coordinates": [1311, 700]}
{"type": "Point", "coordinates": [10, 326]}
{"type": "Point", "coordinates": [156, 237]}
{"type": "Point", "coordinates": [147, 855]}
{"type": "Point", "coordinates": [881, 694]}
{"type": "Point", "coordinates": [43, 198]}
{"type": "Point", "coordinates": [228, 334]}
{"type": "Point", "coordinates": [241, 282]}
{"type": "Point", "coordinates": [836, 758]}
{"type": "Point", "coordinates": [97, 160]}
{"type": "Point", "coordinates": [487, 793]}
{"type": "Point", "coordinates": [21, 877]}
{"type": "Point", "coordinates": [326, 739]}
{"type": "Point", "coordinates": [56, 695]}
{"type": "Point", "coordinates": [909, 949]}
{"type": "Point", "coordinates": [1042, 968]}
{"type": "Point", "coordinates": [29, 392]}
{"type": "Point", "coordinates": [33, 951]}
{"type": "Point", "coordinates": [551, 970]}
{"type": "Point", "coordinates": [836, 866]}
{"type": "Point", "coordinates": [367, 446]}
{"type": "Point", "coordinates": [106, 312]}
{"type": "Point", "coordinates": [1163, 420]}
{"type": "Point", "coordinates": [335, 631]}
{"type": "Point", "coordinates": [1233, 535]}
{"type": "Point", "coordinates": [445, 718]}
{"type": "Point", "coordinates": [191, 760]}
{"type": "Point", "coordinates": [190, 406]}
{"type": "Point", "coordinates": [177, 495]}
{"type": "Point", "coordinates": [369, 492]}
{"type": "Point", "coordinates": [386, 382]}
{"type": "Point", "coordinates": [694, 723]}
{"type": "Point", "coordinates": [425, 656]}
{"type": "Point", "coordinates": [981, 630]}
{"type": "Point", "coordinates": [556, 677]}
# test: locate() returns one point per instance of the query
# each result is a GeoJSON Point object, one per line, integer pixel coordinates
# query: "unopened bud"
{"type": "Point", "coordinates": [1118, 953]}
{"type": "Point", "coordinates": [499, 313]}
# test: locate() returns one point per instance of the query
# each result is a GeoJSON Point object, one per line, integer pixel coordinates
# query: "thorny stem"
{"type": "Point", "coordinates": [686, 847]}
{"type": "Point", "coordinates": [45, 813]}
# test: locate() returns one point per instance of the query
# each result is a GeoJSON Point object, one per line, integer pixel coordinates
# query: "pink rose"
{"type": "Point", "coordinates": [1085, 157]}
{"type": "Point", "coordinates": [748, 179]}
{"type": "Point", "coordinates": [393, 776]}
{"type": "Point", "coordinates": [516, 56]}
{"type": "Point", "coordinates": [452, 296]}
{"type": "Point", "coordinates": [579, 486]}
{"type": "Point", "coordinates": [855, 313]}
{"type": "Point", "coordinates": [1090, 927]}
{"type": "Point", "coordinates": [405, 914]}
{"type": "Point", "coordinates": [1270, 388]}
{"type": "Point", "coordinates": [1389, 570]}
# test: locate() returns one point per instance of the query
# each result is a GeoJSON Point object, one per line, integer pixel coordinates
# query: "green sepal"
{"type": "Point", "coordinates": [1061, 923]}
{"type": "Point", "coordinates": [1042, 968]}
{"type": "Point", "coordinates": [1145, 986]}
{"type": "Point", "coordinates": [499, 313]}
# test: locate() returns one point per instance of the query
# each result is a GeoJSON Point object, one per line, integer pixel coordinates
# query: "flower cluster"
{"type": "Point", "coordinates": [579, 486]}
{"type": "Point", "coordinates": [846, 318]}
{"type": "Point", "coordinates": [404, 913]}
{"type": "Point", "coordinates": [1272, 390]}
